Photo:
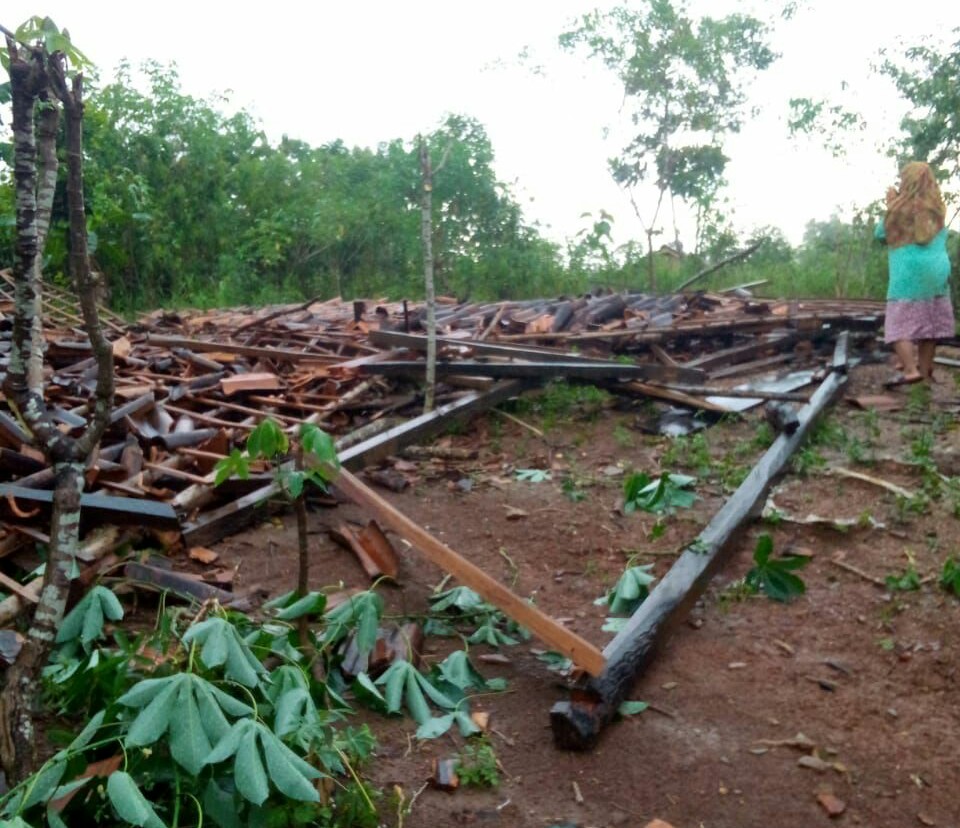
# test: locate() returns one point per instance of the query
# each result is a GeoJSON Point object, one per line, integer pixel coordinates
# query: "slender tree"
{"type": "Point", "coordinates": [37, 73]}
{"type": "Point", "coordinates": [427, 171]}
{"type": "Point", "coordinates": [683, 83]}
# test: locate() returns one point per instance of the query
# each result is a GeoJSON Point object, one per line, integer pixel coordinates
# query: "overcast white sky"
{"type": "Point", "coordinates": [367, 71]}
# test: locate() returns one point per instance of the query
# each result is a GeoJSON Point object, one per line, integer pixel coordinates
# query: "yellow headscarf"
{"type": "Point", "coordinates": [915, 212]}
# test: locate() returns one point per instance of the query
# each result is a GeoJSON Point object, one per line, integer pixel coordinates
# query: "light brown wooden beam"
{"type": "Point", "coordinates": [578, 650]}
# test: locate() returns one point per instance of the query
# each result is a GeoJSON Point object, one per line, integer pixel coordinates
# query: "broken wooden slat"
{"type": "Point", "coordinates": [259, 381]}
{"type": "Point", "coordinates": [665, 373]}
{"type": "Point", "coordinates": [578, 650]}
{"type": "Point", "coordinates": [577, 723]}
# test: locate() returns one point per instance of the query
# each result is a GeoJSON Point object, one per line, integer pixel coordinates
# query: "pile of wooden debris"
{"type": "Point", "coordinates": [191, 386]}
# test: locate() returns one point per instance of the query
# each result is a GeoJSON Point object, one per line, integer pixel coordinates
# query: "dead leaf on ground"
{"type": "Point", "coordinates": [202, 554]}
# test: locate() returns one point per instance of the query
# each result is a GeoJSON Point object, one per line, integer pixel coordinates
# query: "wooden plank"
{"type": "Point", "coordinates": [577, 723]}
{"type": "Point", "coordinates": [729, 356]}
{"type": "Point", "coordinates": [258, 381]}
{"type": "Point", "coordinates": [579, 651]}
{"type": "Point", "coordinates": [279, 354]}
{"type": "Point", "coordinates": [674, 373]}
{"type": "Point", "coordinates": [587, 371]}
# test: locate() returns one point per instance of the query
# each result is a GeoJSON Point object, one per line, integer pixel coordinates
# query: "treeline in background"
{"type": "Point", "coordinates": [190, 206]}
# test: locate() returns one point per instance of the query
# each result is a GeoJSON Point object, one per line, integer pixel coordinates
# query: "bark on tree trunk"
{"type": "Point", "coordinates": [426, 235]}
{"type": "Point", "coordinates": [30, 77]}
{"type": "Point", "coordinates": [49, 121]}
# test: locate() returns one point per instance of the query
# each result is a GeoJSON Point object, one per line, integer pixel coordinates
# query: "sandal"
{"type": "Point", "coordinates": [900, 379]}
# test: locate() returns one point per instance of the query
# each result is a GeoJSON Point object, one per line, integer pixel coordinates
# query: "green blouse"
{"type": "Point", "coordinates": [917, 271]}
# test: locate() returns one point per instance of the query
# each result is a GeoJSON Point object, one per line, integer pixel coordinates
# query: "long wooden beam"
{"type": "Point", "coordinates": [579, 651]}
{"type": "Point", "coordinates": [280, 354]}
{"type": "Point", "coordinates": [590, 371]}
{"type": "Point", "coordinates": [535, 354]}
{"type": "Point", "coordinates": [577, 723]}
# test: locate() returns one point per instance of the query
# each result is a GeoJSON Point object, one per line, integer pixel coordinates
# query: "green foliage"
{"type": "Point", "coordinates": [361, 612]}
{"type": "Point", "coordinates": [85, 620]}
{"type": "Point", "coordinates": [906, 581]}
{"type": "Point", "coordinates": [684, 90]}
{"type": "Point", "coordinates": [928, 77]}
{"type": "Point", "coordinates": [662, 495]}
{"type": "Point", "coordinates": [201, 719]}
{"type": "Point", "coordinates": [774, 576]}
{"type": "Point", "coordinates": [477, 765]}
{"type": "Point", "coordinates": [630, 590]}
{"type": "Point", "coordinates": [289, 773]}
{"type": "Point", "coordinates": [130, 804]}
{"type": "Point", "coordinates": [269, 442]}
{"type": "Point", "coordinates": [532, 475]}
{"type": "Point", "coordinates": [43, 31]}
{"type": "Point", "coordinates": [632, 708]}
{"type": "Point", "coordinates": [463, 605]}
{"type": "Point", "coordinates": [223, 646]}
{"type": "Point", "coordinates": [950, 576]}
{"type": "Point", "coordinates": [405, 686]}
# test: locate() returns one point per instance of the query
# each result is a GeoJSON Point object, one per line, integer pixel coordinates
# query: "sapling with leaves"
{"type": "Point", "coordinates": [269, 443]}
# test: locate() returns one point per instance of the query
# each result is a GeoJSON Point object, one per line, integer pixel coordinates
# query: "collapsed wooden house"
{"type": "Point", "coordinates": [191, 386]}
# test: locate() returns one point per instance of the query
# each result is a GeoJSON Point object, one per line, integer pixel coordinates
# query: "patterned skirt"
{"type": "Point", "coordinates": [922, 319]}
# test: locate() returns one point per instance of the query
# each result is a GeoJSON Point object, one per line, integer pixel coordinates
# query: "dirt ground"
{"type": "Point", "coordinates": [867, 675]}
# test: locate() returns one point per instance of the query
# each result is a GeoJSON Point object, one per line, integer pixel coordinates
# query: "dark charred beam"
{"type": "Point", "coordinates": [98, 509]}
{"type": "Point", "coordinates": [577, 723]}
{"type": "Point", "coordinates": [587, 371]}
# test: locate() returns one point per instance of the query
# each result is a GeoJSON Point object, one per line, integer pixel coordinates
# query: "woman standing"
{"type": "Point", "coordinates": [918, 296]}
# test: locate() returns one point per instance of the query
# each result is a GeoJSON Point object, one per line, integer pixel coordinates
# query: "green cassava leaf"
{"type": "Point", "coordinates": [459, 598]}
{"type": "Point", "coordinates": [631, 708]}
{"type": "Point", "coordinates": [293, 708]}
{"type": "Point", "coordinates": [361, 611]}
{"type": "Point", "coordinates": [191, 709]}
{"type": "Point", "coordinates": [235, 464]}
{"type": "Point", "coordinates": [129, 803]}
{"type": "Point", "coordinates": [630, 590]}
{"type": "Point", "coordinates": [313, 603]}
{"type": "Point", "coordinates": [224, 646]}
{"type": "Point", "coordinates": [435, 726]}
{"type": "Point", "coordinates": [662, 495]}
{"type": "Point", "coordinates": [774, 576]}
{"type": "Point", "coordinates": [85, 620]}
{"type": "Point", "coordinates": [253, 770]}
{"type": "Point", "coordinates": [268, 440]}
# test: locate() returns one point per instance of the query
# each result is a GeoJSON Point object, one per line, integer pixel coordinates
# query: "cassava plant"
{"type": "Point", "coordinates": [269, 443]}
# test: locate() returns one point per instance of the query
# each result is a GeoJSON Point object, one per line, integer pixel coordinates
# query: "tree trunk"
{"type": "Point", "coordinates": [426, 235]}
{"type": "Point", "coordinates": [651, 273]}
{"type": "Point", "coordinates": [303, 572]}
{"type": "Point", "coordinates": [29, 79]}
